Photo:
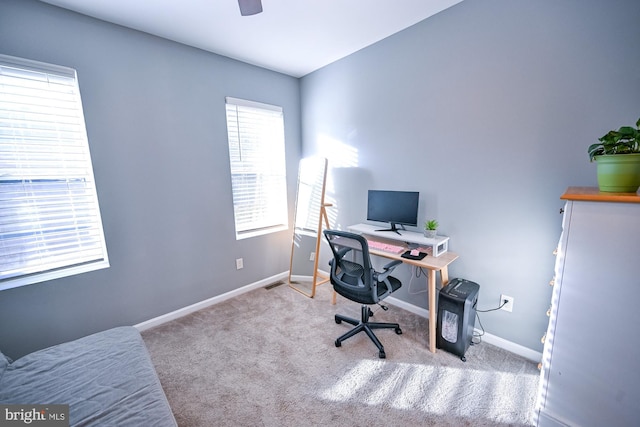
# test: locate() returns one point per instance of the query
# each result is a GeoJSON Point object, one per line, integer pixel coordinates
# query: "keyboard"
{"type": "Point", "coordinates": [386, 247]}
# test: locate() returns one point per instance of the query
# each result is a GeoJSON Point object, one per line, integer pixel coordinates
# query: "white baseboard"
{"type": "Point", "coordinates": [512, 347]}
{"type": "Point", "coordinates": [489, 338]}
{"type": "Point", "coordinates": [156, 321]}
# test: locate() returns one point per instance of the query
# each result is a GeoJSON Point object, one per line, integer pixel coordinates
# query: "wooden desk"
{"type": "Point", "coordinates": [430, 263]}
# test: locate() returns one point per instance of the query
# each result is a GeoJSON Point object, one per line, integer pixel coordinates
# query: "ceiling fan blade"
{"type": "Point", "coordinates": [250, 7]}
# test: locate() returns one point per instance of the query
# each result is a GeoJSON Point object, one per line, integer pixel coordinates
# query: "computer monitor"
{"type": "Point", "coordinates": [398, 208]}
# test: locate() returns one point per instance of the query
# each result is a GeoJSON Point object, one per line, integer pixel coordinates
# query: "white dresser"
{"type": "Point", "coordinates": [590, 372]}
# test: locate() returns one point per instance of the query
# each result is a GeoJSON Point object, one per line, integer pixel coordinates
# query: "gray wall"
{"type": "Point", "coordinates": [487, 109]}
{"type": "Point", "coordinates": [156, 123]}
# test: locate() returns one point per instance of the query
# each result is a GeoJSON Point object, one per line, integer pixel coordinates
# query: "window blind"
{"type": "Point", "coordinates": [50, 223]}
{"type": "Point", "coordinates": [258, 169]}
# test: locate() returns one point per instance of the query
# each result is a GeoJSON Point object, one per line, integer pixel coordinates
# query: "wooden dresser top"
{"type": "Point", "coordinates": [594, 195]}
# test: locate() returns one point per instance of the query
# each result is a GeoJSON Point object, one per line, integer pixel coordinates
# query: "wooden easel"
{"type": "Point", "coordinates": [316, 273]}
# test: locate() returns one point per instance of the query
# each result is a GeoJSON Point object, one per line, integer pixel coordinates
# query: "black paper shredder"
{"type": "Point", "coordinates": [457, 304]}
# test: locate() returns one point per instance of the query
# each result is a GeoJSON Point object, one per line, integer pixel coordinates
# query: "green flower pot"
{"type": "Point", "coordinates": [618, 173]}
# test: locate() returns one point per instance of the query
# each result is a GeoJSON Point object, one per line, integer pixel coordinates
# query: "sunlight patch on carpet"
{"type": "Point", "coordinates": [435, 390]}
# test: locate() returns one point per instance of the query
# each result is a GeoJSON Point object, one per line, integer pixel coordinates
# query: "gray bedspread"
{"type": "Point", "coordinates": [107, 379]}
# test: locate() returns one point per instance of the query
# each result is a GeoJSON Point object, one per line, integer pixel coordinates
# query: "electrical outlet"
{"type": "Point", "coordinates": [509, 304]}
{"type": "Point", "coordinates": [312, 257]}
{"type": "Point", "coordinates": [239, 263]}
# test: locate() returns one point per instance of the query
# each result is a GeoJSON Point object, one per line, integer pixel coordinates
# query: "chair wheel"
{"type": "Point", "coordinates": [338, 321]}
{"type": "Point", "coordinates": [338, 343]}
{"type": "Point", "coordinates": [382, 355]}
{"type": "Point", "coordinates": [398, 331]}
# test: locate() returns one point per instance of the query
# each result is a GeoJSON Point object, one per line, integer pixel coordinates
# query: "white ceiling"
{"type": "Point", "coordinates": [294, 37]}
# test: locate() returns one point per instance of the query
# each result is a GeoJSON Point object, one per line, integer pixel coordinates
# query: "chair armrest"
{"type": "Point", "coordinates": [341, 253]}
{"type": "Point", "coordinates": [392, 265]}
{"type": "Point", "coordinates": [388, 268]}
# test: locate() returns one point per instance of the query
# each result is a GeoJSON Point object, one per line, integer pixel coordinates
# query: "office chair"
{"type": "Point", "coordinates": [360, 283]}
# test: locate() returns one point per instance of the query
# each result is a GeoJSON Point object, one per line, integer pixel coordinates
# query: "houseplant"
{"type": "Point", "coordinates": [430, 228]}
{"type": "Point", "coordinates": [617, 156]}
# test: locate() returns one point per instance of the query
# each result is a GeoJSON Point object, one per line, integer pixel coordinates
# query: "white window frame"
{"type": "Point", "coordinates": [255, 134]}
{"type": "Point", "coordinates": [50, 223]}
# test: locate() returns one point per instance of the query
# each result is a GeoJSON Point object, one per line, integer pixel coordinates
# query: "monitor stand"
{"type": "Point", "coordinates": [394, 228]}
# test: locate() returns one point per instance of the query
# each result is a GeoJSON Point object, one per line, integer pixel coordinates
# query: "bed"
{"type": "Point", "coordinates": [106, 379]}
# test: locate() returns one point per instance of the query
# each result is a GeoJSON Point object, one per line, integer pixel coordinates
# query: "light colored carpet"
{"type": "Point", "coordinates": [267, 358]}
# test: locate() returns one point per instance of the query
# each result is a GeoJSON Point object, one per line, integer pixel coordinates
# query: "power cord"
{"type": "Point", "coordinates": [504, 302]}
{"type": "Point", "coordinates": [479, 335]}
{"type": "Point", "coordinates": [416, 274]}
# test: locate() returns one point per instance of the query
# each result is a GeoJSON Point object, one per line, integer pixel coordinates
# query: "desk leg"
{"type": "Point", "coordinates": [444, 276]}
{"type": "Point", "coordinates": [431, 281]}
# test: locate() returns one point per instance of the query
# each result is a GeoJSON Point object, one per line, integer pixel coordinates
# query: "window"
{"type": "Point", "coordinates": [258, 170]}
{"type": "Point", "coordinates": [50, 223]}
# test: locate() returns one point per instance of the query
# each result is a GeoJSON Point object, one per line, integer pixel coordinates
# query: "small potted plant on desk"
{"type": "Point", "coordinates": [430, 228]}
{"type": "Point", "coordinates": [617, 156]}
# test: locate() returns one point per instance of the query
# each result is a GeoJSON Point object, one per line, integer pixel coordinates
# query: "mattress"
{"type": "Point", "coordinates": [106, 379]}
